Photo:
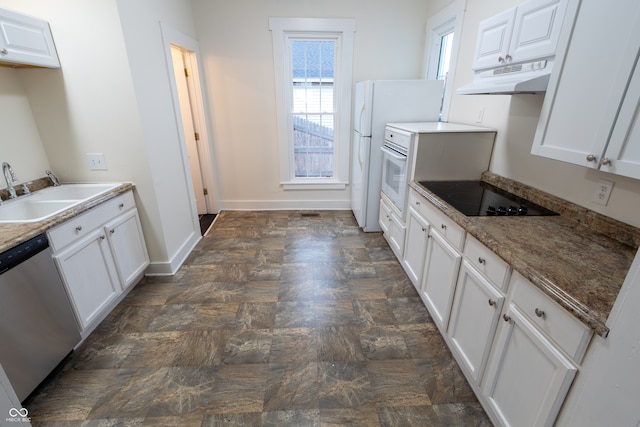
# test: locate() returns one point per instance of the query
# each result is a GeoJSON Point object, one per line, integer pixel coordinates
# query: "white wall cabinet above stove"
{"type": "Point", "coordinates": [26, 41]}
{"type": "Point", "coordinates": [527, 32]}
{"type": "Point", "coordinates": [591, 111]}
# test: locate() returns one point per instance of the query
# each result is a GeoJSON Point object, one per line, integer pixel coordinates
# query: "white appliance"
{"type": "Point", "coordinates": [378, 102]}
{"type": "Point", "coordinates": [396, 151]}
{"type": "Point", "coordinates": [436, 151]}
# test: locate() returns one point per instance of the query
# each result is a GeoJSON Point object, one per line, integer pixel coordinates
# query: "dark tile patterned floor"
{"type": "Point", "coordinates": [276, 319]}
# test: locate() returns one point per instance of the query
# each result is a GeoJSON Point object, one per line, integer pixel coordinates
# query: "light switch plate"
{"type": "Point", "coordinates": [603, 192]}
{"type": "Point", "coordinates": [96, 161]}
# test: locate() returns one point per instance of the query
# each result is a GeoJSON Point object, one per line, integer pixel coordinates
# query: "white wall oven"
{"type": "Point", "coordinates": [395, 166]}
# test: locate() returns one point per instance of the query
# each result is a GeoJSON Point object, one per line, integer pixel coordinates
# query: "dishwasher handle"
{"type": "Point", "coordinates": [22, 252]}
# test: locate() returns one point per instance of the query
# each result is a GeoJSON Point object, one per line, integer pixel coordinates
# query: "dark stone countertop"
{"type": "Point", "coordinates": [579, 258]}
{"type": "Point", "coordinates": [12, 234]}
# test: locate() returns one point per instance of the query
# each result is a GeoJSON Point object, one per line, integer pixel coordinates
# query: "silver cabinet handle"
{"type": "Point", "coordinates": [492, 302]}
{"type": "Point", "coordinates": [539, 313]}
{"type": "Point", "coordinates": [112, 231]}
{"type": "Point", "coordinates": [417, 203]}
{"type": "Point", "coordinates": [482, 260]}
{"type": "Point", "coordinates": [121, 205]}
{"type": "Point", "coordinates": [103, 237]}
{"type": "Point", "coordinates": [506, 318]}
{"type": "Point", "coordinates": [424, 229]}
{"type": "Point", "coordinates": [79, 228]}
{"type": "Point", "coordinates": [500, 59]}
{"type": "Point", "coordinates": [591, 158]}
{"type": "Point", "coordinates": [4, 51]}
{"type": "Point", "coordinates": [508, 57]}
{"type": "Point", "coordinates": [605, 161]}
{"type": "Point", "coordinates": [444, 227]}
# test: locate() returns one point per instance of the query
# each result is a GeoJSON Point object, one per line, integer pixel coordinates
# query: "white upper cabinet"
{"type": "Point", "coordinates": [526, 32]}
{"type": "Point", "coordinates": [590, 113]}
{"type": "Point", "coordinates": [26, 41]}
{"type": "Point", "coordinates": [494, 35]}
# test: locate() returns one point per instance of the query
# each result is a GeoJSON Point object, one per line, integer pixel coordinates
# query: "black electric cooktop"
{"type": "Point", "coordinates": [477, 198]}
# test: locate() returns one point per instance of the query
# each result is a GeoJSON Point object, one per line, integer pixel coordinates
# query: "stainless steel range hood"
{"type": "Point", "coordinates": [531, 77]}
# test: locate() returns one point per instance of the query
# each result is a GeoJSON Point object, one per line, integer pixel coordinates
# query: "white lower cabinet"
{"type": "Point", "coordinates": [127, 246]}
{"type": "Point", "coordinates": [519, 349]}
{"type": "Point", "coordinates": [392, 226]}
{"type": "Point", "coordinates": [527, 377]}
{"type": "Point", "coordinates": [415, 248]}
{"type": "Point", "coordinates": [439, 280]}
{"type": "Point", "coordinates": [474, 318]}
{"type": "Point", "coordinates": [100, 254]}
{"type": "Point", "coordinates": [90, 276]}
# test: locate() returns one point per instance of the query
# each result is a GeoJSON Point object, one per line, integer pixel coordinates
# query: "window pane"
{"type": "Point", "coordinates": [313, 107]}
{"type": "Point", "coordinates": [446, 45]}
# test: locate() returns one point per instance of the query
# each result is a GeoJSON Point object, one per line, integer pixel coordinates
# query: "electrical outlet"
{"type": "Point", "coordinates": [96, 161]}
{"type": "Point", "coordinates": [603, 192]}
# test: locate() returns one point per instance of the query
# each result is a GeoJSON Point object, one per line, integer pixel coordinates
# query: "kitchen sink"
{"type": "Point", "coordinates": [30, 210]}
{"type": "Point", "coordinates": [72, 192]}
{"type": "Point", "coordinates": [45, 203]}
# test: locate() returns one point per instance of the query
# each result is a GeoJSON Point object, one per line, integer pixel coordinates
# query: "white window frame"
{"type": "Point", "coordinates": [343, 31]}
{"type": "Point", "coordinates": [447, 20]}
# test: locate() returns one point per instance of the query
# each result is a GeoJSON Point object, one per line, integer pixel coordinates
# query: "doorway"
{"type": "Point", "coordinates": [182, 72]}
{"type": "Point", "coordinates": [182, 60]}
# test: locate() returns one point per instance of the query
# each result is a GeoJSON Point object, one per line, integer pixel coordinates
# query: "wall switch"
{"type": "Point", "coordinates": [480, 115]}
{"type": "Point", "coordinates": [603, 192]}
{"type": "Point", "coordinates": [96, 161]}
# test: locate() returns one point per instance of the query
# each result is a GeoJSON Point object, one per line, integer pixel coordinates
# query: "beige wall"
{"type": "Point", "coordinates": [238, 59]}
{"type": "Point", "coordinates": [516, 117]}
{"type": "Point", "coordinates": [102, 101]}
{"type": "Point", "coordinates": [20, 144]}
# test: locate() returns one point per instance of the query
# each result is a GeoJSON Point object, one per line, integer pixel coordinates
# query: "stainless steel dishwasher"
{"type": "Point", "coordinates": [37, 326]}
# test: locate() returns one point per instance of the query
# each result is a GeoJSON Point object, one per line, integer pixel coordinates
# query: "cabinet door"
{"type": "Point", "coordinates": [415, 247]}
{"type": "Point", "coordinates": [384, 217]}
{"type": "Point", "coordinates": [536, 30]}
{"type": "Point", "coordinates": [439, 281]}
{"type": "Point", "coordinates": [128, 247]}
{"type": "Point", "coordinates": [527, 378]}
{"type": "Point", "coordinates": [89, 274]}
{"type": "Point", "coordinates": [584, 95]}
{"type": "Point", "coordinates": [397, 231]}
{"type": "Point", "coordinates": [623, 151]}
{"type": "Point", "coordinates": [494, 36]}
{"type": "Point", "coordinates": [26, 40]}
{"type": "Point", "coordinates": [474, 318]}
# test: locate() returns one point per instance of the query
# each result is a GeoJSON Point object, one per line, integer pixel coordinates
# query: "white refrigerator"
{"type": "Point", "coordinates": [376, 103]}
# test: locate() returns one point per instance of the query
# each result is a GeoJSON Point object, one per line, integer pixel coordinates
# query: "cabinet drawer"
{"type": "Point", "coordinates": [445, 226]}
{"type": "Point", "coordinates": [486, 262]}
{"type": "Point", "coordinates": [85, 223]}
{"type": "Point", "coordinates": [565, 330]}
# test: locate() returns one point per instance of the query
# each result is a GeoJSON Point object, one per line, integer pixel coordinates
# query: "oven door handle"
{"type": "Point", "coordinates": [393, 154]}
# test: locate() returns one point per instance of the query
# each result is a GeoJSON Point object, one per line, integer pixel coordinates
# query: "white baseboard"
{"type": "Point", "coordinates": [285, 205]}
{"type": "Point", "coordinates": [169, 268]}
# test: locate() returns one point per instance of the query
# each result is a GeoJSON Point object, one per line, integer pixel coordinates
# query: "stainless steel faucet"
{"type": "Point", "coordinates": [9, 177]}
{"type": "Point", "coordinates": [53, 178]}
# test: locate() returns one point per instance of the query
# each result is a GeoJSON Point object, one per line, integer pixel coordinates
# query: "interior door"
{"type": "Point", "coordinates": [189, 130]}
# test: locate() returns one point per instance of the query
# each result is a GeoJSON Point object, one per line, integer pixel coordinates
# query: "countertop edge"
{"type": "Point", "coordinates": [545, 284]}
{"type": "Point", "coordinates": [16, 233]}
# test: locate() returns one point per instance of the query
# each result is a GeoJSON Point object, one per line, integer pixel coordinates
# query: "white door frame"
{"type": "Point", "coordinates": [190, 46]}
